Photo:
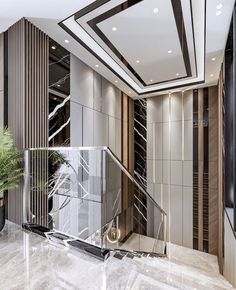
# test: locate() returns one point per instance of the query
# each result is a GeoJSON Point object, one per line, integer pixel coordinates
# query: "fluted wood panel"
{"type": "Point", "coordinates": [213, 171]}
{"type": "Point", "coordinates": [28, 107]}
{"type": "Point", "coordinates": [200, 168]}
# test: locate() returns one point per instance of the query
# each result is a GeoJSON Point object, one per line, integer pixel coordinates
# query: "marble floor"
{"type": "Point", "coordinates": [30, 262]}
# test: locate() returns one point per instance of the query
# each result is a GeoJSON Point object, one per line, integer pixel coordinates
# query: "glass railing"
{"type": "Point", "coordinates": [85, 196]}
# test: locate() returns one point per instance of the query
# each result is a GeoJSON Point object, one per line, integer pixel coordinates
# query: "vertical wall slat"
{"type": "Point", "coordinates": [28, 107]}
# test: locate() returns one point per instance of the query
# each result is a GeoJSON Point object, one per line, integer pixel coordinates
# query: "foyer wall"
{"type": "Point", "coordinates": [170, 161]}
{"type": "Point", "coordinates": [95, 109]}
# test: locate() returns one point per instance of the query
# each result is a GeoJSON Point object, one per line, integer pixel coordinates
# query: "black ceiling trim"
{"type": "Point", "coordinates": [177, 9]}
{"type": "Point", "coordinates": [178, 12]}
{"type": "Point", "coordinates": [64, 27]}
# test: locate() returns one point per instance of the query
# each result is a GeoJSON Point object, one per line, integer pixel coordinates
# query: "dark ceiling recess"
{"type": "Point", "coordinates": [59, 68]}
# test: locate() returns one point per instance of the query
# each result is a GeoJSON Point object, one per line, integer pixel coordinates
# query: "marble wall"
{"type": "Point", "coordinates": [140, 141]}
{"type": "Point", "coordinates": [1, 80]}
{"type": "Point", "coordinates": [170, 161]}
{"type": "Point", "coordinates": [95, 109]}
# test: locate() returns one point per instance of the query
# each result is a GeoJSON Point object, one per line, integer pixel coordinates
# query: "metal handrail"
{"type": "Point", "coordinates": [124, 169]}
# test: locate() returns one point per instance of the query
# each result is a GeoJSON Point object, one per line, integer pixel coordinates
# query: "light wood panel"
{"type": "Point", "coordinates": [213, 171]}
{"type": "Point", "coordinates": [28, 108]}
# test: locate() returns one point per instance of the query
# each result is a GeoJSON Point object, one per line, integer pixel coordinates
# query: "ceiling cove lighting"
{"type": "Point", "coordinates": [218, 13]}
{"type": "Point", "coordinates": [66, 41]}
{"type": "Point", "coordinates": [213, 59]}
{"type": "Point", "coordinates": [155, 10]}
{"type": "Point", "coordinates": [169, 51]}
{"type": "Point", "coordinates": [219, 6]}
{"type": "Point", "coordinates": [114, 28]}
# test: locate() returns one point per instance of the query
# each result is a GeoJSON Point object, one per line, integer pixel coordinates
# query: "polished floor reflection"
{"type": "Point", "coordinates": [30, 262]}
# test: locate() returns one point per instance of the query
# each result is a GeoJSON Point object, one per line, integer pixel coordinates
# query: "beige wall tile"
{"type": "Point", "coordinates": [76, 130]}
{"type": "Point", "coordinates": [187, 173]}
{"type": "Point", "coordinates": [111, 99]}
{"type": "Point", "coordinates": [166, 171]}
{"type": "Point", "coordinates": [88, 127]}
{"type": "Point", "coordinates": [150, 146]}
{"type": "Point", "coordinates": [176, 107]}
{"type": "Point", "coordinates": [166, 108]}
{"type": "Point", "coordinates": [188, 105]}
{"type": "Point", "coordinates": [166, 141]}
{"type": "Point", "coordinates": [176, 140]}
{"type": "Point", "coordinates": [158, 140]}
{"type": "Point", "coordinates": [81, 82]}
{"type": "Point", "coordinates": [154, 110]}
{"type": "Point", "coordinates": [176, 215]}
{"type": "Point", "coordinates": [188, 140]}
{"type": "Point", "coordinates": [176, 173]}
{"type": "Point", "coordinates": [158, 171]}
{"type": "Point", "coordinates": [100, 126]}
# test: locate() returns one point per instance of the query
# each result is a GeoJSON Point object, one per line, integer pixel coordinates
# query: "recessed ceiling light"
{"type": "Point", "coordinates": [211, 75]}
{"type": "Point", "coordinates": [116, 81]}
{"type": "Point", "coordinates": [218, 13]}
{"type": "Point", "coordinates": [129, 92]}
{"type": "Point", "coordinates": [66, 41]}
{"type": "Point", "coordinates": [213, 59]}
{"type": "Point", "coordinates": [58, 85]}
{"type": "Point", "coordinates": [219, 6]}
{"type": "Point", "coordinates": [114, 28]}
{"type": "Point", "coordinates": [138, 61]}
{"type": "Point", "coordinates": [155, 10]}
{"type": "Point", "coordinates": [97, 65]}
{"type": "Point", "coordinates": [151, 81]}
{"type": "Point", "coordinates": [53, 47]}
{"type": "Point", "coordinates": [55, 99]}
{"type": "Point", "coordinates": [169, 51]}
{"type": "Point", "coordinates": [177, 74]}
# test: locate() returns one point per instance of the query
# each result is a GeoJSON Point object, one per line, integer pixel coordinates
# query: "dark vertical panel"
{"type": "Point", "coordinates": [28, 108]}
{"type": "Point", "coordinates": [195, 169]}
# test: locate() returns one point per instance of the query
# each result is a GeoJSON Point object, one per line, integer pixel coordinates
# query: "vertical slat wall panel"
{"type": "Point", "coordinates": [213, 171]}
{"type": "Point", "coordinates": [28, 109]}
{"type": "Point", "coordinates": [200, 169]}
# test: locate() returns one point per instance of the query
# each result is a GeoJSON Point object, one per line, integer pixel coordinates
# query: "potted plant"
{"type": "Point", "coordinates": [10, 170]}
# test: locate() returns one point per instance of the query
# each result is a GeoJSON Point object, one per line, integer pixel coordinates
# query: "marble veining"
{"type": "Point", "coordinates": [30, 262]}
{"type": "Point", "coordinates": [140, 143]}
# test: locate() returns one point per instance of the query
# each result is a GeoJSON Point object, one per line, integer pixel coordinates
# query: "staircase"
{"type": "Point", "coordinates": [183, 269]}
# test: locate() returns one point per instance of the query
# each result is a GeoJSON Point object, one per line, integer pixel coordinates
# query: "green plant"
{"type": "Point", "coordinates": [10, 169]}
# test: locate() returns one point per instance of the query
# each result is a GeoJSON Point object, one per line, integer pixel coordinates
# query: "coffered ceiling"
{"type": "Point", "coordinates": [144, 47]}
{"type": "Point", "coordinates": [149, 44]}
